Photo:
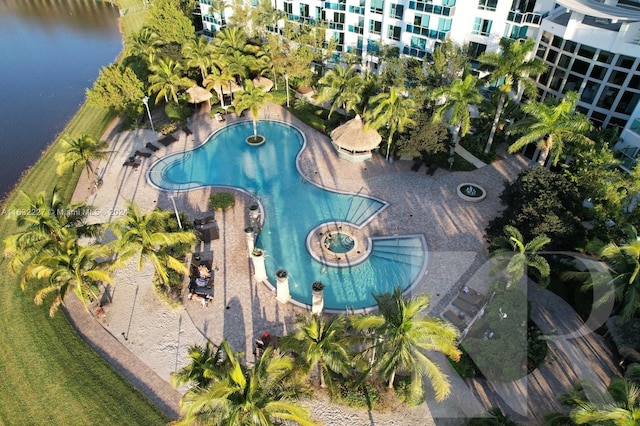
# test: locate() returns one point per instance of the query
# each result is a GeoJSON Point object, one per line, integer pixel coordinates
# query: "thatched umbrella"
{"type": "Point", "coordinates": [227, 89]}
{"type": "Point", "coordinates": [353, 142]}
{"type": "Point", "coordinates": [199, 94]}
{"type": "Point", "coordinates": [264, 83]}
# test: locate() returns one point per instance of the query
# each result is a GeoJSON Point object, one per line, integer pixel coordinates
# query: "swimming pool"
{"type": "Point", "coordinates": [293, 207]}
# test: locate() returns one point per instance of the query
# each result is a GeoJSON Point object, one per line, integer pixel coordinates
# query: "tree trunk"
{"type": "Point", "coordinates": [391, 379]}
{"type": "Point", "coordinates": [322, 382]}
{"type": "Point", "coordinates": [496, 120]}
{"type": "Point", "coordinates": [545, 151]}
{"type": "Point", "coordinates": [389, 141]}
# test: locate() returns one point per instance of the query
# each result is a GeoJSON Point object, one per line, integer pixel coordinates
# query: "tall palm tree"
{"type": "Point", "coordinates": [342, 87]}
{"type": "Point", "coordinates": [620, 406]}
{"type": "Point", "coordinates": [231, 39]}
{"type": "Point", "coordinates": [320, 342]}
{"type": "Point", "coordinates": [67, 268]}
{"type": "Point", "coordinates": [207, 364]}
{"type": "Point", "coordinates": [404, 336]}
{"type": "Point", "coordinates": [80, 151]}
{"type": "Point", "coordinates": [393, 111]}
{"type": "Point", "coordinates": [167, 79]}
{"type": "Point", "coordinates": [238, 64]}
{"type": "Point", "coordinates": [216, 80]}
{"type": "Point", "coordinates": [513, 256]}
{"type": "Point", "coordinates": [511, 70]}
{"type": "Point", "coordinates": [262, 395]}
{"type": "Point", "coordinates": [454, 100]}
{"type": "Point", "coordinates": [251, 98]}
{"type": "Point", "coordinates": [50, 222]}
{"type": "Point", "coordinates": [551, 126]}
{"type": "Point", "coordinates": [198, 54]}
{"type": "Point", "coordinates": [145, 236]}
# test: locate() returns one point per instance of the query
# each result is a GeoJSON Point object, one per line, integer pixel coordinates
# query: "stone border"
{"type": "Point", "coordinates": [469, 198]}
{"type": "Point", "coordinates": [255, 144]}
{"type": "Point", "coordinates": [321, 253]}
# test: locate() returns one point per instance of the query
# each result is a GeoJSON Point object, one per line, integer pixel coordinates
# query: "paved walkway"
{"type": "Point", "coordinates": [242, 309]}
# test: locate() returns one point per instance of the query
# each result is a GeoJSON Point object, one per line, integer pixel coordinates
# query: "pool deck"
{"type": "Point", "coordinates": [242, 309]}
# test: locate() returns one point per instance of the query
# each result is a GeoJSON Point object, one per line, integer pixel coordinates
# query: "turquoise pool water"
{"type": "Point", "coordinates": [293, 207]}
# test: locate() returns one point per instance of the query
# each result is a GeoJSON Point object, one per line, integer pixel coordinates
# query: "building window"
{"type": "Point", "coordinates": [288, 8]}
{"type": "Point", "coordinates": [375, 27]}
{"type": "Point", "coordinates": [418, 43]}
{"type": "Point", "coordinates": [617, 77]}
{"type": "Point", "coordinates": [394, 32]}
{"type": "Point", "coordinates": [397, 11]}
{"type": "Point", "coordinates": [586, 51]}
{"type": "Point", "coordinates": [608, 97]}
{"type": "Point", "coordinates": [590, 91]}
{"type": "Point", "coordinates": [635, 126]}
{"type": "Point", "coordinates": [304, 10]}
{"type": "Point", "coordinates": [481, 27]}
{"type": "Point", "coordinates": [628, 102]}
{"type": "Point", "coordinates": [605, 57]}
{"type": "Point", "coordinates": [476, 49]}
{"type": "Point", "coordinates": [421, 21]}
{"type": "Point", "coordinates": [570, 46]}
{"type": "Point", "coordinates": [523, 6]}
{"type": "Point", "coordinates": [487, 4]}
{"type": "Point", "coordinates": [515, 32]}
{"type": "Point", "coordinates": [580, 67]}
{"type": "Point", "coordinates": [377, 6]}
{"type": "Point", "coordinates": [625, 62]}
{"type": "Point", "coordinates": [444, 24]}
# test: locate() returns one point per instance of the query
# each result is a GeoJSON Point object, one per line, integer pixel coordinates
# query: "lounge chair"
{"type": "Point", "coordinates": [431, 169]}
{"type": "Point", "coordinates": [219, 117]}
{"type": "Point", "coordinates": [416, 166]}
{"type": "Point", "coordinates": [132, 162]}
{"type": "Point", "coordinates": [167, 140]}
{"type": "Point", "coordinates": [464, 306]}
{"type": "Point", "coordinates": [143, 154]}
{"type": "Point", "coordinates": [472, 297]}
{"type": "Point", "coordinates": [151, 146]}
{"type": "Point", "coordinates": [187, 130]}
{"type": "Point", "coordinates": [454, 319]}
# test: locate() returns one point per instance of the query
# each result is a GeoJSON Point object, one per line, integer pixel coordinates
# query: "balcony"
{"type": "Point", "coordinates": [426, 32]}
{"type": "Point", "coordinates": [527, 18]}
{"type": "Point", "coordinates": [430, 8]}
{"type": "Point", "coordinates": [411, 51]}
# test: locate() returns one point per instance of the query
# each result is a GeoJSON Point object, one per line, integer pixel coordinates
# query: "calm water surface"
{"type": "Point", "coordinates": [50, 52]}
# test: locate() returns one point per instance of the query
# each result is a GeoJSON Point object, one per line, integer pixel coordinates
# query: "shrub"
{"type": "Point", "coordinates": [177, 112]}
{"type": "Point", "coordinates": [165, 129]}
{"type": "Point", "coordinates": [221, 201]}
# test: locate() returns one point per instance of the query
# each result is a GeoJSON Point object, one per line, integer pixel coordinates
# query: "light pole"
{"type": "Point", "coordinates": [286, 79]}
{"type": "Point", "coordinates": [503, 315]}
{"type": "Point", "coordinates": [175, 209]}
{"type": "Point", "coordinates": [145, 101]}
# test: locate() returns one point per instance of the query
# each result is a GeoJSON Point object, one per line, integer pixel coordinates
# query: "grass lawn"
{"type": "Point", "coordinates": [49, 375]}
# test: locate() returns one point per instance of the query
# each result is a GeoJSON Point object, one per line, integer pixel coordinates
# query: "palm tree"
{"type": "Point", "coordinates": [393, 111]}
{"type": "Point", "coordinates": [145, 236]}
{"type": "Point", "coordinates": [80, 151]}
{"type": "Point", "coordinates": [514, 256]}
{"type": "Point", "coordinates": [231, 39]}
{"type": "Point", "coordinates": [510, 69]}
{"type": "Point", "coordinates": [455, 100]}
{"type": "Point", "coordinates": [342, 87]}
{"type": "Point", "coordinates": [67, 268]}
{"type": "Point", "coordinates": [198, 53]}
{"type": "Point", "coordinates": [143, 44]}
{"type": "Point", "coordinates": [551, 126]}
{"type": "Point", "coordinates": [217, 78]}
{"type": "Point", "coordinates": [50, 222]}
{"type": "Point", "coordinates": [320, 342]}
{"type": "Point", "coordinates": [253, 99]}
{"type": "Point", "coordinates": [166, 79]}
{"type": "Point", "coordinates": [207, 364]}
{"type": "Point", "coordinates": [238, 64]}
{"type": "Point", "coordinates": [620, 406]}
{"type": "Point", "coordinates": [624, 264]}
{"type": "Point", "coordinates": [403, 336]}
{"type": "Point", "coordinates": [262, 395]}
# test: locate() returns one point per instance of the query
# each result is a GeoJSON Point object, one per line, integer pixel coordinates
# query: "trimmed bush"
{"type": "Point", "coordinates": [177, 112]}
{"type": "Point", "coordinates": [221, 201]}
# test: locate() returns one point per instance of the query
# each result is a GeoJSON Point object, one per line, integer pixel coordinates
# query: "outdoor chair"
{"type": "Point", "coordinates": [455, 319]}
{"type": "Point", "coordinates": [187, 130]}
{"type": "Point", "coordinates": [464, 306]}
{"type": "Point", "coordinates": [431, 169]}
{"type": "Point", "coordinates": [167, 140]}
{"type": "Point", "coordinates": [132, 162]}
{"type": "Point", "coordinates": [142, 154]}
{"type": "Point", "coordinates": [416, 166]}
{"type": "Point", "coordinates": [151, 146]}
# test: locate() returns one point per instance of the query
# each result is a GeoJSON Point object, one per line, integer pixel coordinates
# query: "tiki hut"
{"type": "Point", "coordinates": [264, 83]}
{"type": "Point", "coordinates": [227, 90]}
{"type": "Point", "coordinates": [198, 95]}
{"type": "Point", "coordinates": [353, 142]}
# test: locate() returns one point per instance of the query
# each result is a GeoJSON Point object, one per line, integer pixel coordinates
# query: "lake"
{"type": "Point", "coordinates": [51, 52]}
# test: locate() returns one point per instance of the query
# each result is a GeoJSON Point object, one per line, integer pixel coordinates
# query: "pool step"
{"type": "Point", "coordinates": [362, 208]}
{"type": "Point", "coordinates": [405, 250]}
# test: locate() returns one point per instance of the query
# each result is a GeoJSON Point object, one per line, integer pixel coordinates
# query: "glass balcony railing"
{"type": "Point", "coordinates": [430, 8]}
{"type": "Point", "coordinates": [411, 51]}
{"type": "Point", "coordinates": [426, 32]}
{"type": "Point", "coordinates": [527, 18]}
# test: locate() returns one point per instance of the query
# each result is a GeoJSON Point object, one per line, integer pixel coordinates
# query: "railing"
{"type": "Point", "coordinates": [527, 18]}
{"type": "Point", "coordinates": [430, 8]}
{"type": "Point", "coordinates": [426, 32]}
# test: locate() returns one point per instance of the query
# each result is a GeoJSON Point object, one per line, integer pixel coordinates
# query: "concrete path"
{"type": "Point", "coordinates": [462, 152]}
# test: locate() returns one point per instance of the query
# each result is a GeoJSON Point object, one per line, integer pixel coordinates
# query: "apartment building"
{"type": "Point", "coordinates": [591, 47]}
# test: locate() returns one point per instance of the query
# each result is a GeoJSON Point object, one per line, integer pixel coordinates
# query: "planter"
{"type": "Point", "coordinates": [259, 270]}
{"type": "Point", "coordinates": [471, 192]}
{"type": "Point", "coordinates": [250, 238]}
{"type": "Point", "coordinates": [282, 289]}
{"type": "Point", "coordinates": [257, 141]}
{"type": "Point", "coordinates": [317, 298]}
{"type": "Point", "coordinates": [254, 212]}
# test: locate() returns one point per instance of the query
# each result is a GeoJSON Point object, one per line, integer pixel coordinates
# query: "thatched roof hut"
{"type": "Point", "coordinates": [264, 83]}
{"type": "Point", "coordinates": [198, 94]}
{"type": "Point", "coordinates": [353, 142]}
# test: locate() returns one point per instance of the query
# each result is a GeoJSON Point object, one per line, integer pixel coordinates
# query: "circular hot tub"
{"type": "Point", "coordinates": [338, 244]}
